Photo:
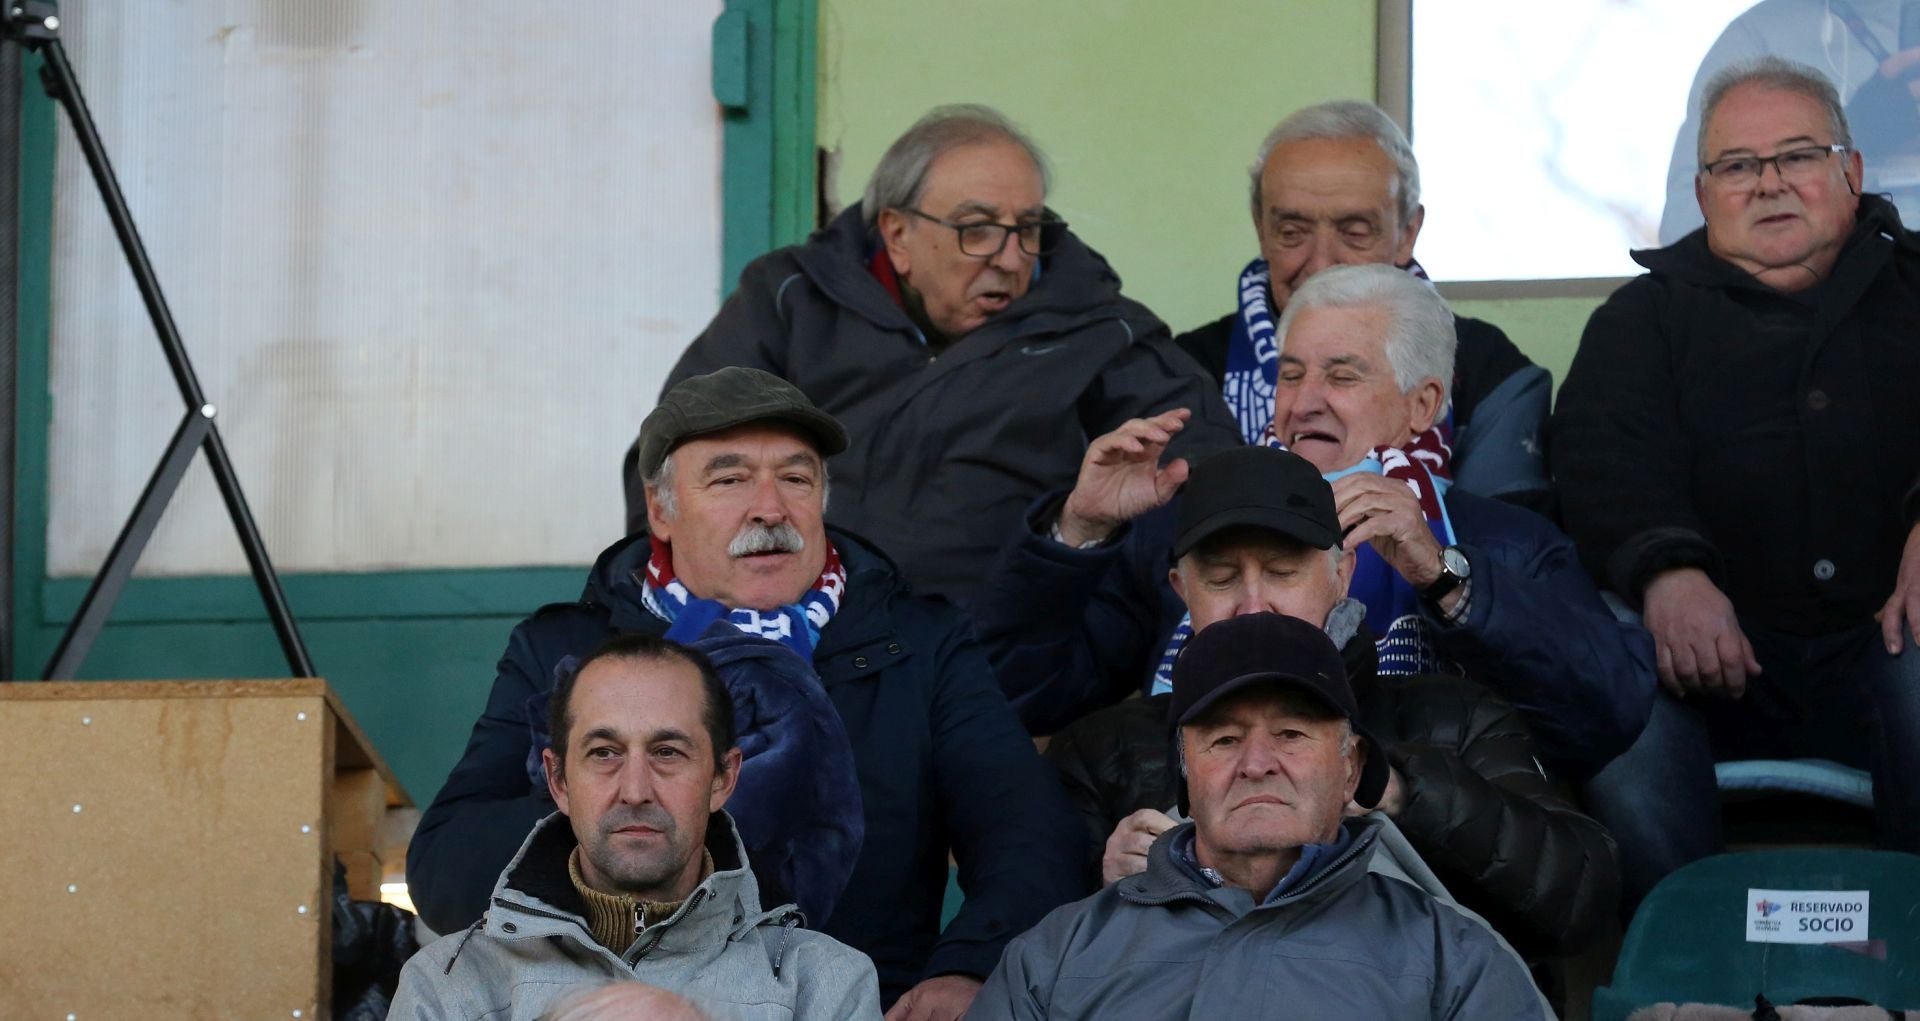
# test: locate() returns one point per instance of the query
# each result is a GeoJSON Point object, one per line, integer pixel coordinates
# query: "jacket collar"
{"type": "Point", "coordinates": [534, 898]}
{"type": "Point", "coordinates": [873, 581]}
{"type": "Point", "coordinates": [1691, 261]}
{"type": "Point", "coordinates": [1166, 882]}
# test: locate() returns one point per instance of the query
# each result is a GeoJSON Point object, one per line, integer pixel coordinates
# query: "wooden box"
{"type": "Point", "coordinates": [169, 846]}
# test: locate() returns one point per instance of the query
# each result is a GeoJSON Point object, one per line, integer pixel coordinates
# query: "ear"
{"type": "Point", "coordinates": [1403, 252]}
{"type": "Point", "coordinates": [1700, 191]}
{"type": "Point", "coordinates": [1855, 169]}
{"type": "Point", "coordinates": [556, 779]}
{"type": "Point", "coordinates": [1356, 759]}
{"type": "Point", "coordinates": [1344, 572]}
{"type": "Point", "coordinates": [724, 780]}
{"type": "Point", "coordinates": [1423, 405]}
{"type": "Point", "coordinates": [657, 522]}
{"type": "Point", "coordinates": [1178, 582]}
{"type": "Point", "coordinates": [893, 226]}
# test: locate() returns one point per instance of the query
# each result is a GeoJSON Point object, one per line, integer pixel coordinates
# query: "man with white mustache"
{"type": "Point", "coordinates": [1452, 582]}
{"type": "Point", "coordinates": [874, 736]}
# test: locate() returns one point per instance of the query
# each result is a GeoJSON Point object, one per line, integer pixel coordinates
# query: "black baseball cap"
{"type": "Point", "coordinates": [1259, 486]}
{"type": "Point", "coordinates": [1267, 648]}
{"type": "Point", "coordinates": [731, 396]}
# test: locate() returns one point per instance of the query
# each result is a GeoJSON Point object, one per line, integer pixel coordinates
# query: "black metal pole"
{"type": "Point", "coordinates": [36, 27]}
{"type": "Point", "coordinates": [92, 615]}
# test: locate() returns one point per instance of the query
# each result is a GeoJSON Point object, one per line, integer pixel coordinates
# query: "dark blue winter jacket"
{"type": "Point", "coordinates": [1072, 630]}
{"type": "Point", "coordinates": [942, 762]}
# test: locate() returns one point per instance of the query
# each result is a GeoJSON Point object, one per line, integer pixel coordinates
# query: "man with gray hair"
{"type": "Point", "coordinates": [1336, 184]}
{"type": "Point", "coordinates": [1078, 610]}
{"type": "Point", "coordinates": [970, 342]}
{"type": "Point", "coordinates": [1738, 454]}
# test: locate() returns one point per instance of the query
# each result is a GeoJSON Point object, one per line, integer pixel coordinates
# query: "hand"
{"type": "Point", "coordinates": [1900, 65]}
{"type": "Point", "coordinates": [1127, 847]}
{"type": "Point", "coordinates": [1392, 800]}
{"type": "Point", "coordinates": [1903, 607]}
{"type": "Point", "coordinates": [1121, 477]}
{"type": "Point", "coordinates": [1384, 512]}
{"type": "Point", "coordinates": [1696, 637]}
{"type": "Point", "coordinates": [940, 998]}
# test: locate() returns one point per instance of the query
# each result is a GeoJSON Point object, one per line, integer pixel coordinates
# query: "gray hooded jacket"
{"type": "Point", "coordinates": [1344, 942]}
{"type": "Point", "coordinates": [720, 950]}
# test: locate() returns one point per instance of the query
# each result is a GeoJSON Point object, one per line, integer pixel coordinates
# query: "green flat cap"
{"type": "Point", "coordinates": [732, 396]}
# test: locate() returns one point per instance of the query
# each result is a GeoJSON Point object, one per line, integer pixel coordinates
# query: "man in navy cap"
{"type": "Point", "coordinates": [1266, 896]}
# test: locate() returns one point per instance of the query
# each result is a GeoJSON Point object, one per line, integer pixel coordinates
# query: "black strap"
{"type": "Point", "coordinates": [1858, 26]}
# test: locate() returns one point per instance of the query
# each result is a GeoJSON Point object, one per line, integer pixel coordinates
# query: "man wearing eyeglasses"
{"type": "Point", "coordinates": [970, 342]}
{"type": "Point", "coordinates": [1737, 448]}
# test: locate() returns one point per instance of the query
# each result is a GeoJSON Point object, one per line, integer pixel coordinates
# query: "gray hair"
{"type": "Point", "coordinates": [1420, 331]}
{"type": "Point", "coordinates": [1782, 75]}
{"type": "Point", "coordinates": [660, 485]}
{"type": "Point", "coordinates": [901, 174]}
{"type": "Point", "coordinates": [1347, 118]}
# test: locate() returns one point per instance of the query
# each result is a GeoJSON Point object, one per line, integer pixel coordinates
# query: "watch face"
{"type": "Point", "coordinates": [1455, 561]}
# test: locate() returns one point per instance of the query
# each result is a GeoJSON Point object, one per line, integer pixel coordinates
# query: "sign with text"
{"type": "Point", "coordinates": [1806, 916]}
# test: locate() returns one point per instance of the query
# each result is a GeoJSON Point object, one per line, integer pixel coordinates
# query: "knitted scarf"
{"type": "Point", "coordinates": [1393, 607]}
{"type": "Point", "coordinates": [796, 625]}
{"type": "Point", "coordinates": [1253, 353]}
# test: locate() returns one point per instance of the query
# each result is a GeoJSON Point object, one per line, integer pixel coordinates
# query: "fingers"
{"type": "Point", "coordinates": [1151, 821]}
{"type": "Point", "coordinates": [902, 1008]}
{"type": "Point", "coordinates": [1894, 615]}
{"type": "Point", "coordinates": [1663, 664]}
{"type": "Point", "coordinates": [1732, 653]}
{"type": "Point", "coordinates": [1171, 478]}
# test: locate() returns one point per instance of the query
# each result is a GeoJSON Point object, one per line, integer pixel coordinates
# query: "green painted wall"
{"type": "Point", "coordinates": [1150, 111]}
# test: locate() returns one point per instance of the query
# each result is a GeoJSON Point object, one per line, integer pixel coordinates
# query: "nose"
{"type": "Point", "coordinates": [636, 781]}
{"type": "Point", "coordinates": [1010, 257]}
{"type": "Point", "coordinates": [1319, 257]}
{"type": "Point", "coordinates": [1779, 180]}
{"type": "Point", "coordinates": [1258, 758]}
{"type": "Point", "coordinates": [769, 507]}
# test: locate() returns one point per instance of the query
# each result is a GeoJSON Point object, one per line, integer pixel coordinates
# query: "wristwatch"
{"type": "Point", "coordinates": [1454, 572]}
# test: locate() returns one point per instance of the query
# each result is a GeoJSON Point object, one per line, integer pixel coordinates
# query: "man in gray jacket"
{"type": "Point", "coordinates": [1264, 903]}
{"type": "Point", "coordinates": [640, 875]}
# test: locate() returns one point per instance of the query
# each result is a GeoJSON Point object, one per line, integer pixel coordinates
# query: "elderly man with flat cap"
{"type": "Point", "coordinates": [1264, 902]}
{"type": "Point", "coordinates": [875, 738]}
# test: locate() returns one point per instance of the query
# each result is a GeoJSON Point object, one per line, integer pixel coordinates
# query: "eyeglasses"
{"type": "Point", "coordinates": [984, 240]}
{"type": "Point", "coordinates": [1794, 165]}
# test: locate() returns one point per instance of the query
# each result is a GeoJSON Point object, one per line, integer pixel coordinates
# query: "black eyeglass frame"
{"type": "Point", "coordinates": [1762, 161]}
{"type": "Point", "coordinates": [1048, 230]}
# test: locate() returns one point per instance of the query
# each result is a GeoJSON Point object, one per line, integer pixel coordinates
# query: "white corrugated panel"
{"type": "Point", "coordinates": [432, 260]}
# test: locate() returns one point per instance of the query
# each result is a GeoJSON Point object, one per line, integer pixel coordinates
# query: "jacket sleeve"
{"type": "Point", "coordinates": [843, 988]}
{"type": "Point", "coordinates": [1014, 834]}
{"type": "Point", "coordinates": [421, 996]}
{"type": "Point", "coordinates": [1479, 978]}
{"type": "Point", "coordinates": [1538, 633]}
{"type": "Point", "coordinates": [1067, 630]}
{"type": "Point", "coordinates": [749, 330]}
{"type": "Point", "coordinates": [489, 804]}
{"type": "Point", "coordinates": [1020, 988]}
{"type": "Point", "coordinates": [1620, 457]}
{"type": "Point", "coordinates": [1479, 811]}
{"type": "Point", "coordinates": [1152, 375]}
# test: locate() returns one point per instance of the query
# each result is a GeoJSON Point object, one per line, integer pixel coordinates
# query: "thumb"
{"type": "Point", "coordinates": [1746, 647]}
{"type": "Point", "coordinates": [1170, 478]}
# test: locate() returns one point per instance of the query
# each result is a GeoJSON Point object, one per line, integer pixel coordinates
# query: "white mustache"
{"type": "Point", "coordinates": [780, 538]}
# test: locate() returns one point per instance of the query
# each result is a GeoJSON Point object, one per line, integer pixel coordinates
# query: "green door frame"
{"type": "Point", "coordinates": [407, 649]}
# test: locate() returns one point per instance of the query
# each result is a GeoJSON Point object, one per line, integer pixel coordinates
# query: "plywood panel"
{"type": "Point", "coordinates": [164, 851]}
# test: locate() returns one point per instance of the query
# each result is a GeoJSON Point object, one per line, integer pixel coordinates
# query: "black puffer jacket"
{"type": "Point", "coordinates": [1770, 439]}
{"type": "Point", "coordinates": [1477, 808]}
{"type": "Point", "coordinates": [946, 451]}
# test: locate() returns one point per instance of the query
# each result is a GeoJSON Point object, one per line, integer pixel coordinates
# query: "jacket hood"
{"type": "Point", "coordinates": [1074, 279]}
{"type": "Point", "coordinates": [535, 898]}
{"type": "Point", "coordinates": [1690, 259]}
{"type": "Point", "coordinates": [615, 580]}
{"type": "Point", "coordinates": [1166, 881]}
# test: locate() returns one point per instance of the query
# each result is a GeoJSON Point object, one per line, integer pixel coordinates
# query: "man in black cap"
{"type": "Point", "coordinates": [875, 737]}
{"type": "Point", "coordinates": [1255, 530]}
{"type": "Point", "coordinates": [1264, 903]}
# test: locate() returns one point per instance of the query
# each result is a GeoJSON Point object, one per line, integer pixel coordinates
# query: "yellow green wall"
{"type": "Point", "coordinates": [1149, 110]}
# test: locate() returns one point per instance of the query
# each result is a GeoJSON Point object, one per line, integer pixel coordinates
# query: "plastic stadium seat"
{"type": "Point", "coordinates": [1687, 943]}
{"type": "Point", "coordinates": [1818, 777]}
